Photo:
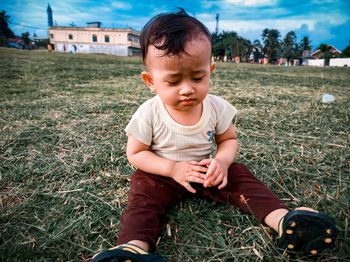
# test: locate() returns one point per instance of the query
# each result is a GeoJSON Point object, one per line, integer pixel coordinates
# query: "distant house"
{"type": "Point", "coordinates": [256, 55]}
{"type": "Point", "coordinates": [18, 43]}
{"type": "Point", "coordinates": [16, 40]}
{"type": "Point", "coordinates": [306, 54]}
{"type": "Point", "coordinates": [94, 39]}
{"type": "Point", "coordinates": [316, 54]}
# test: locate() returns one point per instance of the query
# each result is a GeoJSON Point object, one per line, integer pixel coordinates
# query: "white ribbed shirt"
{"type": "Point", "coordinates": [152, 125]}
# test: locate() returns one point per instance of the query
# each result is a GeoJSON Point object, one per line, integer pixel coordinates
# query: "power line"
{"type": "Point", "coordinates": [28, 26]}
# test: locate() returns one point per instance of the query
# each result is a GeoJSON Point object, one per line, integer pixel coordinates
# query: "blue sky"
{"type": "Point", "coordinates": [323, 21]}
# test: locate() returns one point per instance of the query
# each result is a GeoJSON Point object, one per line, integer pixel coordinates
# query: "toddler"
{"type": "Point", "coordinates": [170, 141]}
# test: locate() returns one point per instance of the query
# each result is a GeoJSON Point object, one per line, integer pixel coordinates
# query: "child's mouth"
{"type": "Point", "coordinates": [187, 101]}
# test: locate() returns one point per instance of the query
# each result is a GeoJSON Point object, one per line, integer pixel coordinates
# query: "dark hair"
{"type": "Point", "coordinates": [170, 32]}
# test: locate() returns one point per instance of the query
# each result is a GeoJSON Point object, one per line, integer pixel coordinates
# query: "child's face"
{"type": "Point", "coordinates": [182, 82]}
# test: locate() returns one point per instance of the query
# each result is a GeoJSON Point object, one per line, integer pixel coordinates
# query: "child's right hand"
{"type": "Point", "coordinates": [186, 172]}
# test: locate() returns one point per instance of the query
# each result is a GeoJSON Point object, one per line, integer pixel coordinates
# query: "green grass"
{"type": "Point", "coordinates": [64, 176]}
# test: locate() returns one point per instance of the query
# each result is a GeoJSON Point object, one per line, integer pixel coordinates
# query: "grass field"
{"type": "Point", "coordinates": [64, 176]}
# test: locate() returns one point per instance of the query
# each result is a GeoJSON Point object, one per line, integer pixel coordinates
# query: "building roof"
{"type": "Point", "coordinates": [94, 24]}
{"type": "Point", "coordinates": [94, 29]}
{"type": "Point", "coordinates": [333, 50]}
{"type": "Point", "coordinates": [14, 40]}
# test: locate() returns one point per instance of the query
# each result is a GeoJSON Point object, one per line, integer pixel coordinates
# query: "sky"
{"type": "Point", "coordinates": [323, 21]}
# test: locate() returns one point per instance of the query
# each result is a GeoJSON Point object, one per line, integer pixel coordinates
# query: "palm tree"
{"type": "Point", "coordinates": [230, 44]}
{"type": "Point", "coordinates": [230, 40]}
{"type": "Point", "coordinates": [305, 43]}
{"type": "Point", "coordinates": [271, 43]}
{"type": "Point", "coordinates": [4, 29]}
{"type": "Point", "coordinates": [304, 48]}
{"type": "Point", "coordinates": [289, 45]}
{"type": "Point", "coordinates": [257, 49]}
{"type": "Point", "coordinates": [245, 48]}
{"type": "Point", "coordinates": [326, 53]}
{"type": "Point", "coordinates": [218, 46]}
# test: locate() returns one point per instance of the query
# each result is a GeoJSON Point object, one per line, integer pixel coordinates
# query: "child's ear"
{"type": "Point", "coordinates": [212, 67]}
{"type": "Point", "coordinates": [147, 78]}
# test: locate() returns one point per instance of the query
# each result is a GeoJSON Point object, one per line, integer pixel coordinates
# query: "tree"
{"type": "Point", "coordinates": [218, 46]}
{"type": "Point", "coordinates": [25, 38]}
{"type": "Point", "coordinates": [271, 43]}
{"type": "Point", "coordinates": [257, 49]}
{"type": "Point", "coordinates": [304, 48]}
{"type": "Point", "coordinates": [289, 46]}
{"type": "Point", "coordinates": [305, 44]}
{"type": "Point", "coordinates": [4, 29]}
{"type": "Point", "coordinates": [230, 44]}
{"type": "Point", "coordinates": [327, 53]}
{"type": "Point", "coordinates": [230, 41]}
{"type": "Point", "coordinates": [346, 51]}
{"type": "Point", "coordinates": [244, 49]}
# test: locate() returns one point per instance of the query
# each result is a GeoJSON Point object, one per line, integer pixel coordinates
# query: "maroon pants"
{"type": "Point", "coordinates": [151, 196]}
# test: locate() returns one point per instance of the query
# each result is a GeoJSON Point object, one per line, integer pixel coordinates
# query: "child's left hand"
{"type": "Point", "coordinates": [216, 174]}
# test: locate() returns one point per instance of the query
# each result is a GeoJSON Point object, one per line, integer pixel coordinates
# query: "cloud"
{"type": "Point", "coordinates": [247, 25]}
{"type": "Point", "coordinates": [121, 5]}
{"type": "Point", "coordinates": [324, 32]}
{"type": "Point", "coordinates": [251, 2]}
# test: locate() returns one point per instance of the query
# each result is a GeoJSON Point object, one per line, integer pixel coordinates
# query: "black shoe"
{"type": "Point", "coordinates": [126, 253]}
{"type": "Point", "coordinates": [307, 232]}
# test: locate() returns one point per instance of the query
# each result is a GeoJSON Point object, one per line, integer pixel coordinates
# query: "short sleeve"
{"type": "Point", "coordinates": [140, 125]}
{"type": "Point", "coordinates": [227, 114]}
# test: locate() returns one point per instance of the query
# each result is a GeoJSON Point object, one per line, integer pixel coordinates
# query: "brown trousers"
{"type": "Point", "coordinates": [151, 196]}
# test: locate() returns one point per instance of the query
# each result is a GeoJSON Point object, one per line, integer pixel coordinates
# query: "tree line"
{"type": "Point", "coordinates": [230, 45]}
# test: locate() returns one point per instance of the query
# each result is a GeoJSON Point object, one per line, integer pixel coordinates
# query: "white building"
{"type": "Point", "coordinates": [94, 39]}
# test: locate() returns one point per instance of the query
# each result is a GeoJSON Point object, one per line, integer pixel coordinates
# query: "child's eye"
{"type": "Point", "coordinates": [172, 83]}
{"type": "Point", "coordinates": [198, 79]}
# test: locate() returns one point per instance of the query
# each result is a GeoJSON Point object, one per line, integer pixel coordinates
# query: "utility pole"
{"type": "Point", "coordinates": [217, 24]}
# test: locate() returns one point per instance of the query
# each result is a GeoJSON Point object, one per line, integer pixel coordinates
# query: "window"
{"type": "Point", "coordinates": [94, 38]}
{"type": "Point", "coordinates": [106, 38]}
{"type": "Point", "coordinates": [133, 38]}
{"type": "Point", "coordinates": [70, 36]}
{"type": "Point", "coordinates": [51, 36]}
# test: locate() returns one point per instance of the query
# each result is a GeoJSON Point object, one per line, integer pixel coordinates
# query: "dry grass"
{"type": "Point", "coordinates": [64, 176]}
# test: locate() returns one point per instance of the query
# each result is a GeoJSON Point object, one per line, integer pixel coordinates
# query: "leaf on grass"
{"type": "Point", "coordinates": [337, 194]}
{"type": "Point", "coordinates": [168, 230]}
{"type": "Point", "coordinates": [257, 253]}
{"type": "Point", "coordinates": [317, 188]}
{"type": "Point", "coordinates": [308, 192]}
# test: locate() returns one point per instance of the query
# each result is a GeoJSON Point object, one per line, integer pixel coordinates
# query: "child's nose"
{"type": "Point", "coordinates": [186, 89]}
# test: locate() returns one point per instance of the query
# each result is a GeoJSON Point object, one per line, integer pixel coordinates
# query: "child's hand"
{"type": "Point", "coordinates": [189, 171]}
{"type": "Point", "coordinates": [216, 174]}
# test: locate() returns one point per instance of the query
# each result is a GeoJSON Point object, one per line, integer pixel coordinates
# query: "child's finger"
{"type": "Point", "coordinates": [223, 183]}
{"type": "Point", "coordinates": [216, 179]}
{"type": "Point", "coordinates": [196, 178]}
{"type": "Point", "coordinates": [211, 169]}
{"type": "Point", "coordinates": [201, 175]}
{"type": "Point", "coordinates": [210, 180]}
{"type": "Point", "coordinates": [200, 169]}
{"type": "Point", "coordinates": [205, 162]}
{"type": "Point", "coordinates": [188, 186]}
